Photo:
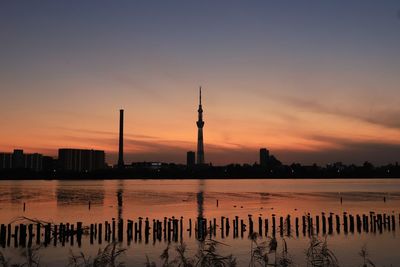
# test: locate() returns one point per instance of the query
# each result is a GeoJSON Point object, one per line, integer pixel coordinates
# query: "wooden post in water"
{"type": "Point", "coordinates": [16, 236]}
{"type": "Point", "coordinates": [204, 227]}
{"type": "Point", "coordinates": [71, 233]}
{"type": "Point", "coordinates": [330, 223]}
{"type": "Point", "coordinates": [242, 228]}
{"type": "Point", "coordinates": [181, 228]}
{"type": "Point", "coordinates": [250, 224]}
{"type": "Point", "coordinates": [91, 233]}
{"type": "Point", "coordinates": [100, 233]}
{"type": "Point", "coordinates": [372, 223]}
{"type": "Point", "coordinates": [129, 231]}
{"type": "Point", "coordinates": [337, 224]}
{"type": "Point", "coordinates": [273, 225]}
{"type": "Point", "coordinates": [159, 230]}
{"type": "Point", "coordinates": [140, 228]}
{"type": "Point", "coordinates": [211, 229]}
{"type": "Point", "coordinates": [236, 226]}
{"type": "Point", "coordinates": [147, 230]}
{"type": "Point", "coordinates": [310, 225]}
{"type": "Point", "coordinates": [366, 224]}
{"type": "Point", "coordinates": [106, 231]}
{"type": "Point", "coordinates": [154, 231]}
{"type": "Point", "coordinates": [62, 234]}
{"type": "Point", "coordinates": [169, 229]}
{"type": "Point", "coordinates": [214, 227]}
{"type": "Point", "coordinates": [38, 233]}
{"type": "Point", "coordinates": [384, 221]}
{"type": "Point", "coordinates": [358, 219]}
{"type": "Point", "coordinates": [3, 233]}
{"type": "Point", "coordinates": [380, 224]}
{"type": "Point", "coordinates": [8, 235]}
{"type": "Point", "coordinates": [393, 223]}
{"type": "Point", "coordinates": [345, 225]}
{"type": "Point", "coordinates": [222, 228]}
{"type": "Point", "coordinates": [22, 235]}
{"type": "Point", "coordinates": [288, 226]}
{"type": "Point", "coordinates": [79, 232]}
{"type": "Point", "coordinates": [137, 231]}
{"type": "Point", "coordinates": [227, 227]}
{"type": "Point", "coordinates": [120, 230]}
{"type": "Point", "coordinates": [165, 228]}
{"type": "Point", "coordinates": [30, 233]}
{"type": "Point", "coordinates": [113, 230]}
{"type": "Point", "coordinates": [351, 218]}
{"type": "Point", "coordinates": [55, 232]}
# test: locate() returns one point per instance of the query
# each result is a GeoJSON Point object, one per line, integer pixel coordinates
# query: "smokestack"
{"type": "Point", "coordinates": [121, 140]}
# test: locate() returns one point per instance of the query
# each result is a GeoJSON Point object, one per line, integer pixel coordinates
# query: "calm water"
{"type": "Point", "coordinates": [68, 201]}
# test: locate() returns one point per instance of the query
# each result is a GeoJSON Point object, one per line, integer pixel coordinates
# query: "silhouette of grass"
{"type": "Point", "coordinates": [206, 256]}
{"type": "Point", "coordinates": [319, 255]}
{"type": "Point", "coordinates": [30, 256]}
{"type": "Point", "coordinates": [107, 257]}
{"type": "Point", "coordinates": [365, 256]}
{"type": "Point", "coordinates": [259, 253]}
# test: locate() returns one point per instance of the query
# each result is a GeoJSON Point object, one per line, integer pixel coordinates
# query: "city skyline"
{"type": "Point", "coordinates": [308, 86]}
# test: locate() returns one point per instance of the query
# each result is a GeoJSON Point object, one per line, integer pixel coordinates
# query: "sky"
{"type": "Point", "coordinates": [312, 81]}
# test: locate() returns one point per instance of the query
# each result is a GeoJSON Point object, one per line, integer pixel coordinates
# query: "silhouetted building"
{"type": "Point", "coordinates": [18, 159]}
{"type": "Point", "coordinates": [200, 125]}
{"type": "Point", "coordinates": [147, 165]}
{"type": "Point", "coordinates": [264, 157]}
{"type": "Point", "coordinates": [121, 163]}
{"type": "Point", "coordinates": [49, 163]}
{"type": "Point", "coordinates": [190, 158]}
{"type": "Point", "coordinates": [34, 162]}
{"type": "Point", "coordinates": [81, 160]}
{"type": "Point", "coordinates": [5, 161]}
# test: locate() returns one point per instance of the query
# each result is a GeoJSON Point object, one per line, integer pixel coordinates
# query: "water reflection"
{"type": "Point", "coordinates": [74, 194]}
{"type": "Point", "coordinates": [200, 199]}
{"type": "Point", "coordinates": [367, 214]}
{"type": "Point", "coordinates": [120, 196]}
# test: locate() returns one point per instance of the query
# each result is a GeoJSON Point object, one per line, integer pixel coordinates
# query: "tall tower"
{"type": "Point", "coordinates": [121, 140]}
{"type": "Point", "coordinates": [200, 125]}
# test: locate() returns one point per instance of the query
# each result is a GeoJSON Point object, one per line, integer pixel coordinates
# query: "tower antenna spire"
{"type": "Point", "coordinates": [200, 95]}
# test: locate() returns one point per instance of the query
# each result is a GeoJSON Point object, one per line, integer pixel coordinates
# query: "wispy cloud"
{"type": "Point", "coordinates": [108, 133]}
{"type": "Point", "coordinates": [383, 116]}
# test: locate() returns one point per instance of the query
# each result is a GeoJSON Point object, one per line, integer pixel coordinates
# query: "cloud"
{"type": "Point", "coordinates": [97, 132]}
{"type": "Point", "coordinates": [383, 116]}
{"type": "Point", "coordinates": [346, 151]}
{"type": "Point", "coordinates": [153, 148]}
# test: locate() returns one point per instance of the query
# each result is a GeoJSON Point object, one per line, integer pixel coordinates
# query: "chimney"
{"type": "Point", "coordinates": [121, 140]}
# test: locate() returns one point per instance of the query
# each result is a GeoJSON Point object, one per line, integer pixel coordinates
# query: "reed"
{"type": "Point", "coordinates": [319, 255]}
{"type": "Point", "coordinates": [107, 257]}
{"type": "Point", "coordinates": [365, 256]}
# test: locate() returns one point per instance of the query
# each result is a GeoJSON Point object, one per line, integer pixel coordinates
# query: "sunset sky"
{"type": "Point", "coordinates": [313, 81]}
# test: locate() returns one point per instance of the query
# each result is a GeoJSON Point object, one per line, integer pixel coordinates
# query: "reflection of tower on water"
{"type": "Point", "coordinates": [200, 200]}
{"type": "Point", "coordinates": [120, 196]}
{"type": "Point", "coordinates": [201, 222]}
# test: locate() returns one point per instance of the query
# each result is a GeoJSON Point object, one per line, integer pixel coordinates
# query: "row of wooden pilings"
{"type": "Point", "coordinates": [172, 229]}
